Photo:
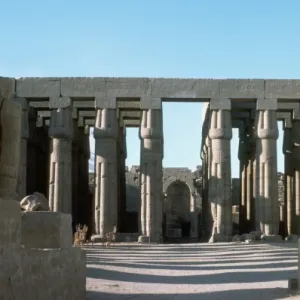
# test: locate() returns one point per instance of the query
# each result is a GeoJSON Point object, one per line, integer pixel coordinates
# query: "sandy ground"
{"type": "Point", "coordinates": [191, 271]}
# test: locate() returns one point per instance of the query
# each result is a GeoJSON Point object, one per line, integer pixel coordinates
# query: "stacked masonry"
{"type": "Point", "coordinates": [36, 254]}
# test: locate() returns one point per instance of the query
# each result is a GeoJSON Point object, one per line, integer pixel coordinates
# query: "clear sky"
{"type": "Point", "coordinates": [157, 38]}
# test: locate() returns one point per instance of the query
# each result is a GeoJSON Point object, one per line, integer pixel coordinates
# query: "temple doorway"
{"type": "Point", "coordinates": [177, 212]}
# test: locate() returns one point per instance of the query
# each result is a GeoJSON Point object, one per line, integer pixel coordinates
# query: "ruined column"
{"type": "Point", "coordinates": [151, 135]}
{"type": "Point", "coordinates": [22, 179]}
{"type": "Point", "coordinates": [243, 157]}
{"type": "Point", "coordinates": [288, 178]}
{"type": "Point", "coordinates": [60, 179]}
{"type": "Point", "coordinates": [296, 175]}
{"type": "Point", "coordinates": [266, 168]}
{"type": "Point", "coordinates": [106, 171]}
{"type": "Point", "coordinates": [220, 133]}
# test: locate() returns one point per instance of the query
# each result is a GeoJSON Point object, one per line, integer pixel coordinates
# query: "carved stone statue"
{"type": "Point", "coordinates": [34, 202]}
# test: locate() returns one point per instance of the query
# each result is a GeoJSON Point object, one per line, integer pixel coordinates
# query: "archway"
{"type": "Point", "coordinates": [177, 211]}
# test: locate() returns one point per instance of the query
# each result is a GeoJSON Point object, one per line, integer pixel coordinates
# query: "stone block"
{"type": "Point", "coordinates": [220, 103]}
{"type": "Point", "coordinates": [10, 224]}
{"type": "Point", "coordinates": [149, 102]}
{"type": "Point", "coordinates": [127, 87]}
{"type": "Point", "coordinates": [83, 87]}
{"type": "Point", "coordinates": [97, 239]}
{"type": "Point", "coordinates": [143, 239]}
{"type": "Point", "coordinates": [272, 238]}
{"type": "Point", "coordinates": [106, 102]}
{"type": "Point", "coordinates": [11, 274]}
{"type": "Point", "coordinates": [292, 238]}
{"type": "Point", "coordinates": [46, 230]}
{"type": "Point", "coordinates": [293, 285]}
{"type": "Point", "coordinates": [284, 89]}
{"type": "Point", "coordinates": [242, 88]}
{"type": "Point", "coordinates": [38, 87]}
{"type": "Point", "coordinates": [184, 88]}
{"type": "Point", "coordinates": [59, 102]}
{"type": "Point", "coordinates": [263, 104]}
{"type": "Point", "coordinates": [219, 238]}
{"type": "Point", "coordinates": [54, 274]}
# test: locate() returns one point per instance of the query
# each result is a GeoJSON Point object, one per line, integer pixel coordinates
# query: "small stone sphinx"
{"type": "Point", "coordinates": [35, 202]}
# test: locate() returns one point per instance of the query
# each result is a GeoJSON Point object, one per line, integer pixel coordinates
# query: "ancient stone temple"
{"type": "Point", "coordinates": [58, 112]}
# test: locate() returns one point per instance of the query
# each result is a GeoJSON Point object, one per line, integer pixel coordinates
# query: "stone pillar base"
{"type": "Point", "coordinates": [220, 238]}
{"type": "Point", "coordinates": [292, 238]}
{"type": "Point", "coordinates": [147, 239]}
{"type": "Point", "coordinates": [96, 238]}
{"type": "Point", "coordinates": [272, 238]}
{"type": "Point", "coordinates": [293, 286]}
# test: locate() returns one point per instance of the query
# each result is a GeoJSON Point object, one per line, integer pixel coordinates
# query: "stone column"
{"type": "Point", "coordinates": [106, 175]}
{"type": "Point", "coordinates": [122, 178]}
{"type": "Point", "coordinates": [42, 157]}
{"type": "Point", "coordinates": [206, 210]}
{"type": "Point", "coordinates": [296, 177]}
{"type": "Point", "coordinates": [252, 205]}
{"type": "Point", "coordinates": [243, 157]}
{"type": "Point", "coordinates": [22, 179]}
{"type": "Point", "coordinates": [87, 200]}
{"type": "Point", "coordinates": [289, 203]}
{"type": "Point", "coordinates": [266, 167]}
{"type": "Point", "coordinates": [32, 151]}
{"type": "Point", "coordinates": [60, 179]}
{"type": "Point", "coordinates": [75, 173]}
{"type": "Point", "coordinates": [151, 135]}
{"type": "Point", "coordinates": [220, 133]}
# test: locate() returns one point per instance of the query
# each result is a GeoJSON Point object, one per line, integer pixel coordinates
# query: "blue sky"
{"type": "Point", "coordinates": [158, 38]}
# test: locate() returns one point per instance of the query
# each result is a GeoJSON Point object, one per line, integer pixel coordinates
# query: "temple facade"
{"type": "Point", "coordinates": [57, 115]}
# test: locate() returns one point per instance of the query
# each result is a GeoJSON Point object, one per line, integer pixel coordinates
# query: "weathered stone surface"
{"type": "Point", "coordinates": [38, 87]}
{"type": "Point", "coordinates": [272, 238]}
{"type": "Point", "coordinates": [286, 89]}
{"type": "Point", "coordinates": [46, 230]}
{"type": "Point", "coordinates": [35, 202]}
{"type": "Point", "coordinates": [11, 123]}
{"type": "Point", "coordinates": [10, 223]}
{"type": "Point", "coordinates": [143, 239]}
{"type": "Point", "coordinates": [53, 274]}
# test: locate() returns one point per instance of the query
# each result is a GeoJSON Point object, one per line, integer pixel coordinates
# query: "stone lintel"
{"type": "Point", "coordinates": [59, 102]}
{"type": "Point", "coordinates": [266, 104]}
{"type": "Point", "coordinates": [39, 105]}
{"type": "Point", "coordinates": [287, 106]}
{"type": "Point", "coordinates": [286, 118]}
{"type": "Point", "coordinates": [131, 123]}
{"type": "Point", "coordinates": [237, 123]}
{"type": "Point", "coordinates": [158, 87]}
{"type": "Point", "coordinates": [128, 103]}
{"type": "Point", "coordinates": [241, 115]}
{"type": "Point", "coordinates": [105, 102]}
{"type": "Point", "coordinates": [130, 114]}
{"type": "Point", "coordinates": [89, 122]}
{"type": "Point", "coordinates": [220, 103]}
{"type": "Point", "coordinates": [149, 102]}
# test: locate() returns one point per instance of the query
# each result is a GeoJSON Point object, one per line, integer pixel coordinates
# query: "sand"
{"type": "Point", "coordinates": [191, 271]}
